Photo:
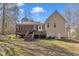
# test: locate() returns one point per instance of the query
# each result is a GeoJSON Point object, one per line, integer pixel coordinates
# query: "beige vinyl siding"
{"type": "Point", "coordinates": [60, 25]}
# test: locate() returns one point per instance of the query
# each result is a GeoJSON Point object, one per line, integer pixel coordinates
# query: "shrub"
{"type": "Point", "coordinates": [11, 37]}
{"type": "Point", "coordinates": [49, 37]}
{"type": "Point", "coordinates": [64, 38]}
{"type": "Point", "coordinates": [52, 37]}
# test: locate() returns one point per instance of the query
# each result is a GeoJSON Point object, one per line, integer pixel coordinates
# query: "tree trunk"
{"type": "Point", "coordinates": [3, 20]}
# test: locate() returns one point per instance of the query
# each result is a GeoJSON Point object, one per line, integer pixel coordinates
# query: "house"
{"type": "Point", "coordinates": [54, 26]}
{"type": "Point", "coordinates": [26, 26]}
{"type": "Point", "coordinates": [31, 30]}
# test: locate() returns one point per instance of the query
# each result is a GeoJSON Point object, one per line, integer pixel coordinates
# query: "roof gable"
{"type": "Point", "coordinates": [56, 12]}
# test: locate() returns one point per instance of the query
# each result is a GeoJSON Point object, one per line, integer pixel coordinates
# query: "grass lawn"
{"type": "Point", "coordinates": [38, 48]}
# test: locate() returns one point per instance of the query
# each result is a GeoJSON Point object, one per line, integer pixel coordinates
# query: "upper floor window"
{"type": "Point", "coordinates": [54, 25]}
{"type": "Point", "coordinates": [48, 25]}
{"type": "Point", "coordinates": [39, 27]}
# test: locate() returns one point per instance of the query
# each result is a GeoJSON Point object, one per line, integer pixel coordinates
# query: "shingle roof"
{"type": "Point", "coordinates": [30, 23]}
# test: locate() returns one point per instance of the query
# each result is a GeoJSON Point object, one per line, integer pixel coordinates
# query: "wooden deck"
{"type": "Point", "coordinates": [31, 34]}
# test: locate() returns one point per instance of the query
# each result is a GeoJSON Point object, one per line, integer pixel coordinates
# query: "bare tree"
{"type": "Point", "coordinates": [77, 23]}
{"type": "Point", "coordinates": [3, 18]}
{"type": "Point", "coordinates": [68, 19]}
{"type": "Point", "coordinates": [9, 16]}
{"type": "Point", "coordinates": [71, 15]}
{"type": "Point", "coordinates": [27, 16]}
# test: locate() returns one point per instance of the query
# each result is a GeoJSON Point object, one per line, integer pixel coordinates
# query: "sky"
{"type": "Point", "coordinates": [41, 11]}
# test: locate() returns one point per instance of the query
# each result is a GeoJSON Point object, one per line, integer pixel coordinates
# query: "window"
{"type": "Point", "coordinates": [39, 27]}
{"type": "Point", "coordinates": [54, 25]}
{"type": "Point", "coordinates": [48, 25]}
